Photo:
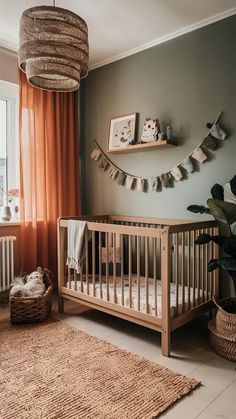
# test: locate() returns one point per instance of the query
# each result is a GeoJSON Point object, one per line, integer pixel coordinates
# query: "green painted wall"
{"type": "Point", "coordinates": [185, 82]}
{"type": "Point", "coordinates": [9, 67]}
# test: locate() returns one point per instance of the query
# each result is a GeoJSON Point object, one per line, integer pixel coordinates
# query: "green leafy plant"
{"type": "Point", "coordinates": [225, 213]}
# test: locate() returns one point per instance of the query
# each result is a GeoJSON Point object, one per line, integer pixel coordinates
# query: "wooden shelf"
{"type": "Point", "coordinates": [142, 147]}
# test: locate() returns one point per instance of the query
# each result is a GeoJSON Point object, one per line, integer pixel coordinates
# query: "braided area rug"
{"type": "Point", "coordinates": [53, 371]}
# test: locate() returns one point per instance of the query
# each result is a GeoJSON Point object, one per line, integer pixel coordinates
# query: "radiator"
{"type": "Point", "coordinates": [6, 262]}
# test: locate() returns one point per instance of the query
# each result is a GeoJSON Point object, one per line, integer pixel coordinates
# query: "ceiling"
{"type": "Point", "coordinates": [118, 28]}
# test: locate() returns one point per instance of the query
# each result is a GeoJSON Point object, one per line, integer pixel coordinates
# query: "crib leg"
{"type": "Point", "coordinates": [165, 343]}
{"type": "Point", "coordinates": [60, 304]}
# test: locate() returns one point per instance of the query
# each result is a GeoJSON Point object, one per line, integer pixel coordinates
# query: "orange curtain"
{"type": "Point", "coordinates": [49, 171]}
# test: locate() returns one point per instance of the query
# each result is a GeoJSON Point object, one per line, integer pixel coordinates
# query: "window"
{"type": "Point", "coordinates": [9, 147]}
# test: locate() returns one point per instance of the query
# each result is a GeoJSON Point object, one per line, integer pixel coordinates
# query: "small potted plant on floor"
{"type": "Point", "coordinates": [222, 206]}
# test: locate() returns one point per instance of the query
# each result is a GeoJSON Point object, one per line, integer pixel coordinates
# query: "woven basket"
{"type": "Point", "coordinates": [31, 309]}
{"type": "Point", "coordinates": [223, 331]}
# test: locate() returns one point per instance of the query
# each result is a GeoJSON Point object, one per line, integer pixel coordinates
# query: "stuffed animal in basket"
{"type": "Point", "coordinates": [32, 285]}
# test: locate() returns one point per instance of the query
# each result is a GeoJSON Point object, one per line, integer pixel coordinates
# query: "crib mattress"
{"type": "Point", "coordinates": [144, 308]}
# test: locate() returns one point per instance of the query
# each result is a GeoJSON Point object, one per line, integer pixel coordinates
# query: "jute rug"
{"type": "Point", "coordinates": [53, 371]}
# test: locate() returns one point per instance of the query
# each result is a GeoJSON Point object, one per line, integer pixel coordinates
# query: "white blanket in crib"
{"type": "Point", "coordinates": [75, 237]}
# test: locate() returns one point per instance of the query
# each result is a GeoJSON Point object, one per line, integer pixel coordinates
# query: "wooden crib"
{"type": "Point", "coordinates": [145, 270]}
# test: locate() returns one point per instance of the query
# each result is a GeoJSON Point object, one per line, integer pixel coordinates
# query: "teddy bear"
{"type": "Point", "coordinates": [150, 130]}
{"type": "Point", "coordinates": [31, 285]}
{"type": "Point", "coordinates": [34, 282]}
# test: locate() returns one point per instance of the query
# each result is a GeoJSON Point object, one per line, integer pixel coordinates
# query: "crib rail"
{"type": "Point", "coordinates": [129, 220]}
{"type": "Point", "coordinates": [123, 263]}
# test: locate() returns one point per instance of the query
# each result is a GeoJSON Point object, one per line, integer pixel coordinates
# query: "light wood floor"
{"type": "Point", "coordinates": [191, 355]}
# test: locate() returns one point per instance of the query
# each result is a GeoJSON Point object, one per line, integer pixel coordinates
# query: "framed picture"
{"type": "Point", "coordinates": [122, 131]}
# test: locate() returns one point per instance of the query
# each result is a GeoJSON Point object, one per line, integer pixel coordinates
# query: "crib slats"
{"type": "Point", "coordinates": [69, 278]}
{"type": "Point", "coordinates": [79, 276]}
{"type": "Point", "coordinates": [114, 266]}
{"type": "Point", "coordinates": [100, 262]}
{"type": "Point", "coordinates": [75, 279]}
{"type": "Point", "coordinates": [177, 271]}
{"type": "Point", "coordinates": [211, 274]}
{"type": "Point", "coordinates": [107, 265]}
{"type": "Point", "coordinates": [155, 273]}
{"type": "Point", "coordinates": [198, 270]}
{"type": "Point", "coordinates": [207, 258]}
{"type": "Point", "coordinates": [130, 270]}
{"type": "Point", "coordinates": [122, 268]}
{"type": "Point", "coordinates": [139, 255]}
{"type": "Point", "coordinates": [216, 272]}
{"type": "Point", "coordinates": [206, 267]}
{"type": "Point", "coordinates": [182, 271]}
{"type": "Point", "coordinates": [86, 261]}
{"type": "Point", "coordinates": [202, 284]}
{"type": "Point", "coordinates": [138, 270]}
{"type": "Point", "coordinates": [189, 267]}
{"type": "Point", "coordinates": [81, 281]}
{"type": "Point", "coordinates": [194, 265]}
{"type": "Point", "coordinates": [93, 261]}
{"type": "Point", "coordinates": [146, 274]}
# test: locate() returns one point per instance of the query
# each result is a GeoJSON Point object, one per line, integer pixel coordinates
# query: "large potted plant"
{"type": "Point", "coordinates": [222, 206]}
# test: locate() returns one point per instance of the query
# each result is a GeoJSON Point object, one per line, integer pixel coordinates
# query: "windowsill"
{"type": "Point", "coordinates": [9, 223]}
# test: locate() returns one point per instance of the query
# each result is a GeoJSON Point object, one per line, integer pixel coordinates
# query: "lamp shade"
{"type": "Point", "coordinates": [54, 48]}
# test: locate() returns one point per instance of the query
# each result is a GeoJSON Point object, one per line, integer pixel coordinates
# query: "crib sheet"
{"type": "Point", "coordinates": [134, 299]}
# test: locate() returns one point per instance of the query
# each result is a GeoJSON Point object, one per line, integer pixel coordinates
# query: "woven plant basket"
{"type": "Point", "coordinates": [223, 331]}
{"type": "Point", "coordinates": [31, 309]}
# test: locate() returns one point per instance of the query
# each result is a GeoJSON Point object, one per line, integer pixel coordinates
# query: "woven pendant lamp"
{"type": "Point", "coordinates": [53, 48]}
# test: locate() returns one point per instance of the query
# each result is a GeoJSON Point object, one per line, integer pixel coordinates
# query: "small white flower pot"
{"type": "Point", "coordinates": [6, 213]}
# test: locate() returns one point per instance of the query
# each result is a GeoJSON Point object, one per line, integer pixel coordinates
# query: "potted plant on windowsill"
{"type": "Point", "coordinates": [222, 206]}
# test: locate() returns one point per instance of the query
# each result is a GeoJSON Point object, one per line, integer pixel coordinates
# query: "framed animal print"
{"type": "Point", "coordinates": [122, 131]}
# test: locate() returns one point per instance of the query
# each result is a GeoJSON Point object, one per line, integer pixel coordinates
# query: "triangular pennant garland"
{"type": "Point", "coordinates": [199, 155]}
{"type": "Point", "coordinates": [155, 183]}
{"type": "Point", "coordinates": [121, 178]}
{"type": "Point", "coordinates": [176, 173]}
{"type": "Point", "coordinates": [129, 182]}
{"type": "Point", "coordinates": [187, 164]}
{"type": "Point", "coordinates": [96, 153]}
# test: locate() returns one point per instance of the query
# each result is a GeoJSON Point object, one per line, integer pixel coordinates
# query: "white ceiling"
{"type": "Point", "coordinates": [118, 28]}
